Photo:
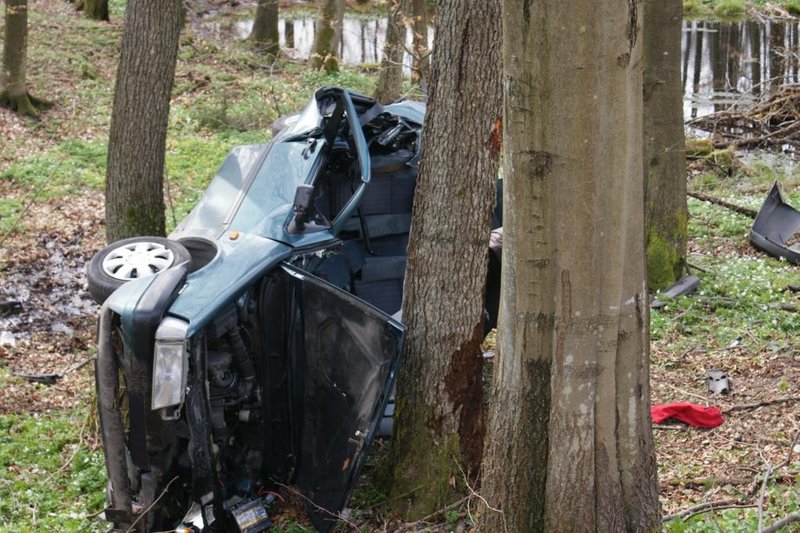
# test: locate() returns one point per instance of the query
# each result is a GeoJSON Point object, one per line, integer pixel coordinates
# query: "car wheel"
{"type": "Point", "coordinates": [131, 259]}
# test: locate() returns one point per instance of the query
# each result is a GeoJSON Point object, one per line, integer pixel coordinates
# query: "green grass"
{"type": "Point", "coordinates": [39, 489]}
{"type": "Point", "coordinates": [730, 9]}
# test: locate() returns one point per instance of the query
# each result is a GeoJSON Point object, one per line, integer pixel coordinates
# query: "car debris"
{"type": "Point", "coordinates": [776, 229]}
{"type": "Point", "coordinates": [718, 381]}
{"type": "Point", "coordinates": [683, 286]}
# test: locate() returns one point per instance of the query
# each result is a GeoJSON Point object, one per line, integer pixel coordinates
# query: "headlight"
{"type": "Point", "coordinates": [169, 364]}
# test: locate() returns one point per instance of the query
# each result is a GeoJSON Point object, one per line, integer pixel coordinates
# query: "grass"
{"type": "Point", "coordinates": [226, 96]}
{"type": "Point", "coordinates": [49, 479]}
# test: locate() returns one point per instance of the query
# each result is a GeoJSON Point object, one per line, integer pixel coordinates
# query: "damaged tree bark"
{"type": "Point", "coordinates": [439, 424]}
{"type": "Point", "coordinates": [569, 444]}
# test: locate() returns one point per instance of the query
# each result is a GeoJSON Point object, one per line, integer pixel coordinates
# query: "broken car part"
{"type": "Point", "coordinates": [776, 229]}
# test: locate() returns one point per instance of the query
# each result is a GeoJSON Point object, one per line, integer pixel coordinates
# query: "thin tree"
{"type": "Point", "coordinates": [421, 65]}
{"type": "Point", "coordinates": [265, 27]}
{"type": "Point", "coordinates": [390, 76]}
{"type": "Point", "coordinates": [569, 442]}
{"type": "Point", "coordinates": [325, 51]}
{"type": "Point", "coordinates": [139, 118]}
{"type": "Point", "coordinates": [439, 418]}
{"type": "Point", "coordinates": [666, 212]}
{"type": "Point", "coordinates": [96, 9]}
{"type": "Point", "coordinates": [14, 90]}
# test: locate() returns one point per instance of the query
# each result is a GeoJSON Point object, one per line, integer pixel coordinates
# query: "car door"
{"type": "Point", "coordinates": [343, 354]}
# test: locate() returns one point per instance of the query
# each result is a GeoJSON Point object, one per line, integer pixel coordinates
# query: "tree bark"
{"type": "Point", "coordinates": [265, 27]}
{"type": "Point", "coordinates": [289, 32]}
{"type": "Point", "coordinates": [325, 52]}
{"type": "Point", "coordinates": [439, 418]}
{"type": "Point", "coordinates": [96, 9]}
{"type": "Point", "coordinates": [666, 212]}
{"type": "Point", "coordinates": [390, 77]}
{"type": "Point", "coordinates": [421, 64]}
{"type": "Point", "coordinates": [569, 444]}
{"type": "Point", "coordinates": [139, 119]}
{"type": "Point", "coordinates": [777, 57]}
{"type": "Point", "coordinates": [14, 92]}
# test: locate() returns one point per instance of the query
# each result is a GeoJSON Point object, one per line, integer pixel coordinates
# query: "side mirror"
{"type": "Point", "coordinates": [301, 207]}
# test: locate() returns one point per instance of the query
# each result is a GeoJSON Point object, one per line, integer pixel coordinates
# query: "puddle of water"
{"type": "Point", "coordinates": [362, 38]}
{"type": "Point", "coordinates": [725, 63]}
{"type": "Point", "coordinates": [722, 63]}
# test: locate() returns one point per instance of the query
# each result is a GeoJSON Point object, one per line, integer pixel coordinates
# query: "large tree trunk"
{"type": "Point", "coordinates": [325, 52]}
{"type": "Point", "coordinates": [421, 65]}
{"type": "Point", "coordinates": [96, 9]}
{"type": "Point", "coordinates": [439, 419]}
{"type": "Point", "coordinates": [265, 27]}
{"type": "Point", "coordinates": [666, 212]}
{"type": "Point", "coordinates": [139, 119]}
{"type": "Point", "coordinates": [569, 443]}
{"type": "Point", "coordinates": [14, 92]}
{"type": "Point", "coordinates": [390, 77]}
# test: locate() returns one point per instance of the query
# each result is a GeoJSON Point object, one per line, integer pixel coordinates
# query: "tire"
{"type": "Point", "coordinates": [281, 123]}
{"type": "Point", "coordinates": [113, 266]}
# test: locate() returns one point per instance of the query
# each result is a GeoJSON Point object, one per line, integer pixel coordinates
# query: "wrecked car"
{"type": "Point", "coordinates": [256, 347]}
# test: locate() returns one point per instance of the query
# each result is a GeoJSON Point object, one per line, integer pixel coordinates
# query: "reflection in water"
{"type": "Point", "coordinates": [728, 62]}
{"type": "Point", "coordinates": [362, 38]}
{"type": "Point", "coordinates": [722, 62]}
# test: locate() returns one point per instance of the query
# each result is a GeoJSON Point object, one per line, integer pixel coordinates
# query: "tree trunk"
{"type": "Point", "coordinates": [421, 65]}
{"type": "Point", "coordinates": [666, 212]}
{"type": "Point", "coordinates": [439, 418]}
{"type": "Point", "coordinates": [777, 54]}
{"type": "Point", "coordinates": [14, 89]}
{"type": "Point", "coordinates": [324, 53]}
{"type": "Point", "coordinates": [569, 443]}
{"type": "Point", "coordinates": [139, 119]}
{"type": "Point", "coordinates": [289, 33]}
{"type": "Point", "coordinates": [265, 27]}
{"type": "Point", "coordinates": [96, 9]}
{"type": "Point", "coordinates": [390, 77]}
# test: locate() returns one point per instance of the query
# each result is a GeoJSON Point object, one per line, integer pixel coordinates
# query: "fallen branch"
{"type": "Point", "coordinates": [756, 405]}
{"type": "Point", "coordinates": [746, 211]}
{"type": "Point", "coordinates": [785, 521]}
{"type": "Point", "coordinates": [706, 507]}
{"type": "Point", "coordinates": [150, 507]}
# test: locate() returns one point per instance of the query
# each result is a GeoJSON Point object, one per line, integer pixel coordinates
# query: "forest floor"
{"type": "Point", "coordinates": [742, 320]}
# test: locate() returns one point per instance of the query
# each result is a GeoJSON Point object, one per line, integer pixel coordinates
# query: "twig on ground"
{"type": "Point", "coordinates": [765, 403]}
{"type": "Point", "coordinates": [338, 516]}
{"type": "Point", "coordinates": [672, 428]}
{"type": "Point", "coordinates": [785, 521]}
{"type": "Point", "coordinates": [71, 458]}
{"type": "Point", "coordinates": [762, 494]}
{"type": "Point", "coordinates": [149, 507]}
{"type": "Point", "coordinates": [695, 510]}
{"type": "Point", "coordinates": [481, 498]}
{"type": "Point", "coordinates": [746, 211]}
{"type": "Point", "coordinates": [686, 392]}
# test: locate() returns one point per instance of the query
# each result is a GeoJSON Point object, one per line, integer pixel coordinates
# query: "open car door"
{"type": "Point", "coordinates": [344, 355]}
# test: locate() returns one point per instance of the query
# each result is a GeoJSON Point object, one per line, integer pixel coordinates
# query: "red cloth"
{"type": "Point", "coordinates": [694, 415]}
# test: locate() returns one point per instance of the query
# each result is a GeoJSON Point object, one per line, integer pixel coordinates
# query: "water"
{"type": "Point", "coordinates": [362, 38]}
{"type": "Point", "coordinates": [722, 63]}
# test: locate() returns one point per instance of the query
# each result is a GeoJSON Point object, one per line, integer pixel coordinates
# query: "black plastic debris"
{"type": "Point", "coordinates": [683, 286]}
{"type": "Point", "coordinates": [718, 381]}
{"type": "Point", "coordinates": [776, 229]}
